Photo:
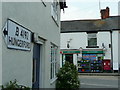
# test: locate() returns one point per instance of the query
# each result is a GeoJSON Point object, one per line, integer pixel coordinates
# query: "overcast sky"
{"type": "Point", "coordinates": [88, 9]}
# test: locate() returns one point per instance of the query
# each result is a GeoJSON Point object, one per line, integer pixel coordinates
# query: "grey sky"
{"type": "Point", "coordinates": [88, 9]}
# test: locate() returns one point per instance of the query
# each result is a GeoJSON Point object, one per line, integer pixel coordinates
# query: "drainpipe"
{"type": "Point", "coordinates": [111, 49]}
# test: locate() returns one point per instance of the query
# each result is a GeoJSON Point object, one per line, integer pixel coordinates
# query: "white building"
{"type": "Point", "coordinates": [91, 40]}
{"type": "Point", "coordinates": [29, 42]}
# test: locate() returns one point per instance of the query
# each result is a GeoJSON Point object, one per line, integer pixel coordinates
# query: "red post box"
{"type": "Point", "coordinates": [106, 65]}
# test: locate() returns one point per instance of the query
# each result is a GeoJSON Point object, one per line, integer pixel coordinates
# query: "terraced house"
{"type": "Point", "coordinates": [92, 45]}
{"type": "Point", "coordinates": [29, 42]}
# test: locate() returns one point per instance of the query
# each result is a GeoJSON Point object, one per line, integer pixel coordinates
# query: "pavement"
{"type": "Point", "coordinates": [100, 74]}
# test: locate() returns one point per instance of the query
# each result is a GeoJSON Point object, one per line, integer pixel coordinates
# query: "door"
{"type": "Point", "coordinates": [69, 58]}
{"type": "Point", "coordinates": [36, 66]}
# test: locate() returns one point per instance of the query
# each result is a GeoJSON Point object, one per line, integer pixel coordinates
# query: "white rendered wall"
{"type": "Point", "coordinates": [36, 17]}
{"type": "Point", "coordinates": [104, 37]}
{"type": "Point", "coordinates": [78, 40]}
{"type": "Point", "coordinates": [115, 49]}
{"type": "Point", "coordinates": [0, 44]}
{"type": "Point", "coordinates": [119, 49]}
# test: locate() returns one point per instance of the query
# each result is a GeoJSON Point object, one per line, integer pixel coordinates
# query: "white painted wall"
{"type": "Point", "coordinates": [115, 49]}
{"type": "Point", "coordinates": [119, 36]}
{"type": "Point", "coordinates": [78, 40]}
{"type": "Point", "coordinates": [36, 17]}
{"type": "Point", "coordinates": [119, 49]}
{"type": "Point", "coordinates": [104, 37]}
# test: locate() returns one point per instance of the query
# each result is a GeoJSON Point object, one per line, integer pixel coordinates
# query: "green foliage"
{"type": "Point", "coordinates": [12, 85]}
{"type": "Point", "coordinates": [67, 77]}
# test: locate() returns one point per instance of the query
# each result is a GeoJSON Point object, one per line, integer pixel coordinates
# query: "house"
{"type": "Point", "coordinates": [92, 45]}
{"type": "Point", "coordinates": [29, 42]}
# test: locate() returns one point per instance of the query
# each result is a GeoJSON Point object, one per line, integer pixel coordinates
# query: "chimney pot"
{"type": "Point", "coordinates": [105, 13]}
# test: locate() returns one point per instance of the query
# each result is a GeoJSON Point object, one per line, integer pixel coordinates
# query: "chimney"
{"type": "Point", "coordinates": [105, 13]}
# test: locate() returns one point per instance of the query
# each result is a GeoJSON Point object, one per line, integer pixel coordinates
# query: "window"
{"type": "Point", "coordinates": [54, 67]}
{"type": "Point", "coordinates": [92, 40]}
{"type": "Point", "coordinates": [54, 10]}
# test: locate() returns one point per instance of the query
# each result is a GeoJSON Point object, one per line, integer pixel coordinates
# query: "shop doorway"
{"type": "Point", "coordinates": [69, 58]}
{"type": "Point", "coordinates": [36, 66]}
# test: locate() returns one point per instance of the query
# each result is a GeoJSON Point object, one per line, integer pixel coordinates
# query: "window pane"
{"type": "Point", "coordinates": [52, 53]}
{"type": "Point", "coordinates": [53, 61]}
{"type": "Point", "coordinates": [92, 35]}
{"type": "Point", "coordinates": [92, 42]}
{"type": "Point", "coordinates": [55, 67]}
{"type": "Point", "coordinates": [55, 54]}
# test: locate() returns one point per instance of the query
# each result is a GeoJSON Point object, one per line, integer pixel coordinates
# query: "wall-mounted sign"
{"type": "Point", "coordinates": [92, 52]}
{"type": "Point", "coordinates": [18, 37]}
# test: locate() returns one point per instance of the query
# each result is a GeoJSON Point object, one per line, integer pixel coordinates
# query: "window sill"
{"type": "Point", "coordinates": [53, 80]}
{"type": "Point", "coordinates": [92, 46]}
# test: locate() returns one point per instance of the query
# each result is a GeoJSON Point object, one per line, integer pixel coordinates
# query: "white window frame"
{"type": "Point", "coordinates": [53, 62]}
{"type": "Point", "coordinates": [54, 10]}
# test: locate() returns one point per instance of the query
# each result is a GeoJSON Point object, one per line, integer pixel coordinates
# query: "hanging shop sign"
{"type": "Point", "coordinates": [17, 36]}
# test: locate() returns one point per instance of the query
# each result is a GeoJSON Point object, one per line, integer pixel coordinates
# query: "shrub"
{"type": "Point", "coordinates": [12, 85]}
{"type": "Point", "coordinates": [67, 77]}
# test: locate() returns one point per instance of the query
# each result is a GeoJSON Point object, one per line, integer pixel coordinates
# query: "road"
{"type": "Point", "coordinates": [99, 81]}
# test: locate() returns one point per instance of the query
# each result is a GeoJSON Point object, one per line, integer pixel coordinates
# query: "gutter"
{"type": "Point", "coordinates": [100, 30]}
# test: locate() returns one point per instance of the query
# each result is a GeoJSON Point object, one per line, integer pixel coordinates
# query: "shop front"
{"type": "Point", "coordinates": [91, 61]}
{"type": "Point", "coordinates": [87, 60]}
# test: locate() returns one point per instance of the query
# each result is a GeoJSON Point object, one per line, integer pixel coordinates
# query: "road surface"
{"type": "Point", "coordinates": [99, 81]}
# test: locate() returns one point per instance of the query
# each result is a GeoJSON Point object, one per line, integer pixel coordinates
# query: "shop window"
{"type": "Point", "coordinates": [92, 40]}
{"type": "Point", "coordinates": [54, 67]}
{"type": "Point", "coordinates": [54, 10]}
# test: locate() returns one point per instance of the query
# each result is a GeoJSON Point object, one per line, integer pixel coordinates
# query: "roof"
{"type": "Point", "coordinates": [90, 25]}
